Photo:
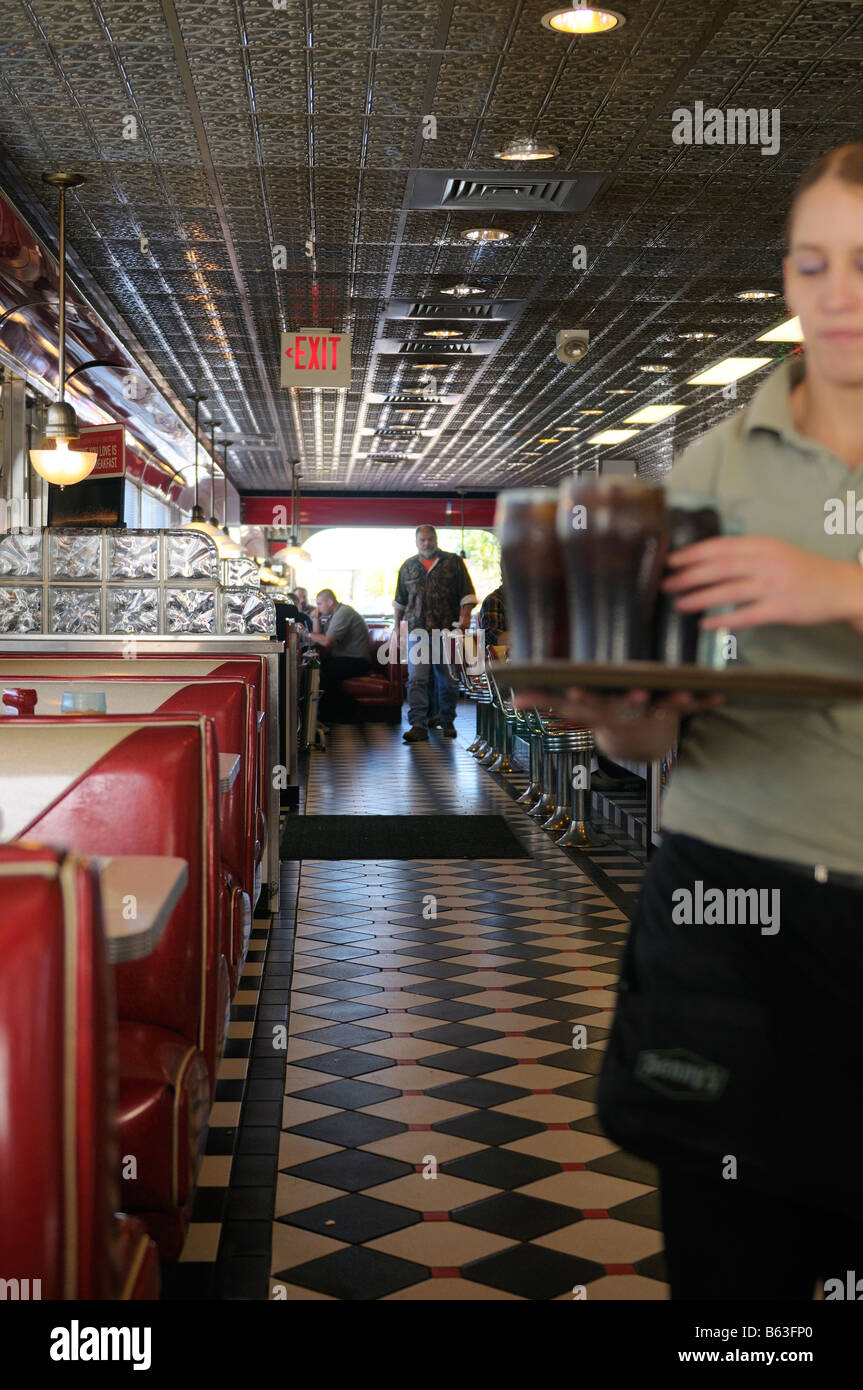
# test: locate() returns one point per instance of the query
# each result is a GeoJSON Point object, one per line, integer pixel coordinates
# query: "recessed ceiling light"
{"type": "Point", "coordinates": [582, 19]}
{"type": "Point", "coordinates": [461, 291]}
{"type": "Point", "coordinates": [548, 441]}
{"type": "Point", "coordinates": [591, 412]}
{"type": "Point", "coordinates": [757, 294]}
{"type": "Point", "coordinates": [431, 366]}
{"type": "Point", "coordinates": [729, 369]}
{"type": "Point", "coordinates": [653, 367]}
{"type": "Point", "coordinates": [611, 436]}
{"type": "Point", "coordinates": [410, 409]}
{"type": "Point", "coordinates": [616, 391]}
{"type": "Point", "coordinates": [790, 331]}
{"type": "Point", "coordinates": [652, 414]}
{"type": "Point", "coordinates": [696, 337]}
{"type": "Point", "coordinates": [484, 234]}
{"type": "Point", "coordinates": [568, 429]}
{"type": "Point", "coordinates": [443, 333]}
{"type": "Point", "coordinates": [526, 147]}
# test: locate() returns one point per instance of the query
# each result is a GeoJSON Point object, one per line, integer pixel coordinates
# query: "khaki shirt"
{"type": "Point", "coordinates": [778, 782]}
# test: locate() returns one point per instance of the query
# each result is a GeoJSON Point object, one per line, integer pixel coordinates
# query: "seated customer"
{"type": "Point", "coordinates": [492, 619]}
{"type": "Point", "coordinates": [293, 611]}
{"type": "Point", "coordinates": [342, 638]}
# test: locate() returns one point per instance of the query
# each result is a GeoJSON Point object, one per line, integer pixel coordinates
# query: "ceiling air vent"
{"type": "Point", "coordinates": [484, 311]}
{"type": "Point", "coordinates": [475, 191]}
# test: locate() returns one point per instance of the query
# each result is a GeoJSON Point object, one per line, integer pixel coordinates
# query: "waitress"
{"type": "Point", "coordinates": [735, 1062]}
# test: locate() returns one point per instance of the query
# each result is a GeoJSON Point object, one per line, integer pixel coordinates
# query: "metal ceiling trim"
{"type": "Point", "coordinates": [452, 190]}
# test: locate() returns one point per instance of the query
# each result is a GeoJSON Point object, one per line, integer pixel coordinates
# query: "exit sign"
{"type": "Point", "coordinates": [314, 357]}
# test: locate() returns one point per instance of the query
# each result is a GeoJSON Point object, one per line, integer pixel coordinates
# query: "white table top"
{"type": "Point", "coordinates": [139, 893]}
{"type": "Point", "coordinates": [229, 766]}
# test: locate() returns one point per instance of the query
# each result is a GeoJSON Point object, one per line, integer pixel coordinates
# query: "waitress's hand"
{"type": "Point", "coordinates": [617, 715]}
{"type": "Point", "coordinates": [768, 581]}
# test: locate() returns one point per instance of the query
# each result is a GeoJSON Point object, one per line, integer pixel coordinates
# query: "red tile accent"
{"type": "Point", "coordinates": [594, 1215]}
{"type": "Point", "coordinates": [405, 1062]}
{"type": "Point", "coordinates": [573, 1167]}
{"type": "Point", "coordinates": [413, 1093]}
{"type": "Point", "coordinates": [435, 1216]}
{"type": "Point", "coordinates": [557, 1126]}
{"type": "Point", "coordinates": [619, 1269]}
{"type": "Point", "coordinates": [445, 1272]}
{"type": "Point", "coordinates": [419, 1127]}
{"type": "Point", "coordinates": [515, 1035]}
{"type": "Point", "coordinates": [542, 1093]}
{"type": "Point", "coordinates": [525, 1061]}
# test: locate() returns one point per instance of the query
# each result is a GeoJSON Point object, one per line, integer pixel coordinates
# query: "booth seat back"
{"type": "Point", "coordinates": [58, 1153]}
{"type": "Point", "coordinates": [230, 705]}
{"type": "Point", "coordinates": [19, 669]}
{"type": "Point", "coordinates": [112, 785]}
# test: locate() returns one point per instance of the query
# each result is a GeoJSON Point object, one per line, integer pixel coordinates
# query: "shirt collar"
{"type": "Point", "coordinates": [770, 407]}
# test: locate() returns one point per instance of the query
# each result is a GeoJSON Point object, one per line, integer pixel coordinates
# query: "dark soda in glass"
{"type": "Point", "coordinates": [614, 536]}
{"type": "Point", "coordinates": [534, 586]}
{"type": "Point", "coordinates": [676, 635]}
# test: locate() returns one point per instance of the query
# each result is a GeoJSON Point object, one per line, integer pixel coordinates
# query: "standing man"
{"type": "Point", "coordinates": [433, 592]}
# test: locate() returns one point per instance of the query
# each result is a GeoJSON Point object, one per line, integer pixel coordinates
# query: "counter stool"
{"type": "Point", "coordinates": [581, 831]}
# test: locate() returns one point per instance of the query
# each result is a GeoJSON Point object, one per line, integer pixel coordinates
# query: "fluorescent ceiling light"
{"type": "Point", "coordinates": [652, 414]}
{"type": "Point", "coordinates": [461, 291]}
{"type": "Point", "coordinates": [611, 436]}
{"type": "Point", "coordinates": [790, 331]}
{"type": "Point", "coordinates": [728, 370]}
{"type": "Point", "coordinates": [757, 294]}
{"type": "Point", "coordinates": [591, 412]}
{"type": "Point", "coordinates": [653, 367]}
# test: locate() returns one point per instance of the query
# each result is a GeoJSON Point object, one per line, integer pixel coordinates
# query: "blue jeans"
{"type": "Point", "coordinates": [432, 690]}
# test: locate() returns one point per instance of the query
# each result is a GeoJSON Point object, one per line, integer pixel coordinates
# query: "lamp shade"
{"type": "Point", "coordinates": [58, 464]}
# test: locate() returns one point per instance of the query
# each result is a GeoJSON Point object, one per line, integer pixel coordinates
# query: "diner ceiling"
{"type": "Point", "coordinates": [258, 126]}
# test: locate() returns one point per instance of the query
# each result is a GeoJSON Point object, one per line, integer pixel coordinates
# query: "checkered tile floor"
{"type": "Point", "coordinates": [439, 1137]}
{"type": "Point", "coordinates": [434, 1134]}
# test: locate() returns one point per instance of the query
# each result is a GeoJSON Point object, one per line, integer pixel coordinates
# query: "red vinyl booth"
{"type": "Point", "coordinates": [21, 669]}
{"type": "Point", "coordinates": [231, 706]}
{"type": "Point", "coordinates": [150, 785]}
{"type": "Point", "coordinates": [383, 687]}
{"type": "Point", "coordinates": [58, 1044]}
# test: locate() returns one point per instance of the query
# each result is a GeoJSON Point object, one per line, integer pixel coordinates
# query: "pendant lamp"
{"type": "Point", "coordinates": [55, 461]}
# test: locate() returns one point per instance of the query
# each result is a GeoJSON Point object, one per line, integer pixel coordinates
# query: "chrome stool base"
{"type": "Point", "coordinates": [558, 820]}
{"type": "Point", "coordinates": [504, 764]}
{"type": "Point", "coordinates": [529, 795]}
{"type": "Point", "coordinates": [582, 834]}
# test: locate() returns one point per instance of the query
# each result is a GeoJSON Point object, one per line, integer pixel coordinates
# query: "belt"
{"type": "Point", "coordinates": [819, 873]}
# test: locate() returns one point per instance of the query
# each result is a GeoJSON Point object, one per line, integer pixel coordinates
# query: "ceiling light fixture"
{"type": "Point", "coordinates": [462, 291]}
{"type": "Point", "coordinates": [485, 234]}
{"type": "Point", "coordinates": [696, 337]}
{"type": "Point", "coordinates": [728, 370]}
{"type": "Point", "coordinates": [525, 147]}
{"type": "Point", "coordinates": [652, 414]}
{"type": "Point", "coordinates": [433, 366]}
{"type": "Point", "coordinates": [791, 331]}
{"type": "Point", "coordinates": [611, 436]}
{"type": "Point", "coordinates": [653, 367]}
{"type": "Point", "coordinates": [548, 441]}
{"type": "Point", "coordinates": [757, 294]}
{"type": "Point", "coordinates": [616, 391]}
{"type": "Point", "coordinates": [591, 412]}
{"type": "Point", "coordinates": [443, 333]}
{"type": "Point", "coordinates": [582, 19]}
{"type": "Point", "coordinates": [55, 461]}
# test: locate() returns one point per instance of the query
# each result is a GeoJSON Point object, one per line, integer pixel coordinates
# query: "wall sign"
{"type": "Point", "coordinates": [314, 357]}
{"type": "Point", "coordinates": [110, 442]}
